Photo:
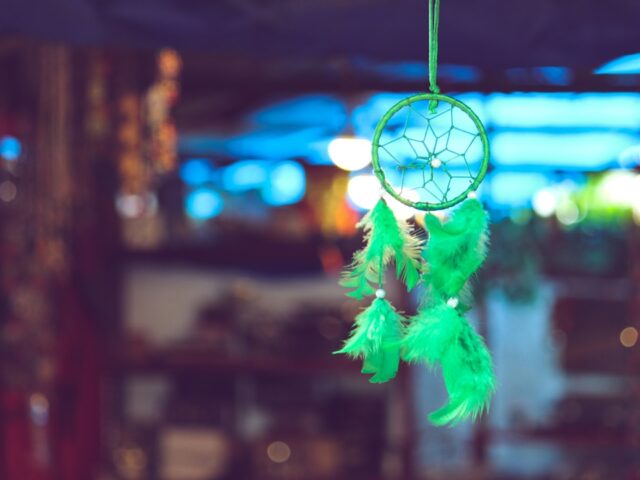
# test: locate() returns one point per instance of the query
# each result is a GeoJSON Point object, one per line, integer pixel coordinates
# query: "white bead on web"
{"type": "Point", "coordinates": [453, 302]}
{"type": "Point", "coordinates": [380, 293]}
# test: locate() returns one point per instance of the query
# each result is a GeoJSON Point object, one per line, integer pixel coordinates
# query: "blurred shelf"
{"type": "Point", "coordinates": [247, 250]}
{"type": "Point", "coordinates": [597, 288]}
{"type": "Point", "coordinates": [181, 361]}
{"type": "Point", "coordinates": [568, 438]}
{"type": "Point", "coordinates": [281, 258]}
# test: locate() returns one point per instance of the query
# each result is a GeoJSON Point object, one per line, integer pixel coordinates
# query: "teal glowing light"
{"type": "Point", "coordinates": [418, 71]}
{"type": "Point", "coordinates": [558, 76]}
{"type": "Point", "coordinates": [515, 189]}
{"type": "Point", "coordinates": [626, 65]}
{"type": "Point", "coordinates": [245, 175]}
{"type": "Point", "coordinates": [591, 150]}
{"type": "Point", "coordinates": [203, 204]}
{"type": "Point", "coordinates": [564, 110]}
{"type": "Point", "coordinates": [325, 111]}
{"type": "Point", "coordinates": [264, 142]}
{"type": "Point", "coordinates": [10, 148]}
{"type": "Point", "coordinates": [196, 171]}
{"type": "Point", "coordinates": [366, 116]}
{"type": "Point", "coordinates": [286, 184]}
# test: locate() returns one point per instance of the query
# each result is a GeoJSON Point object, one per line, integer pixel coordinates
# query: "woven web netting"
{"type": "Point", "coordinates": [430, 155]}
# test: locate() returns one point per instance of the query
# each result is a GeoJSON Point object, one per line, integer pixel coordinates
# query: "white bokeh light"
{"type": "Point", "coordinates": [350, 153]}
{"type": "Point", "coordinates": [364, 191]}
{"type": "Point", "coordinates": [545, 202]}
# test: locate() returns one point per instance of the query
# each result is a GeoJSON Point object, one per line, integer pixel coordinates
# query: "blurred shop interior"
{"type": "Point", "coordinates": [179, 188]}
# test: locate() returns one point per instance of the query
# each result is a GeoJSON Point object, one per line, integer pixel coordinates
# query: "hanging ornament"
{"type": "Point", "coordinates": [429, 152]}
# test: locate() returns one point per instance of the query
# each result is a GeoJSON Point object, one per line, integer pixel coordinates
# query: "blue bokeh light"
{"type": "Point", "coordinates": [552, 75]}
{"type": "Point", "coordinates": [367, 115]}
{"type": "Point", "coordinates": [541, 131]}
{"type": "Point", "coordinates": [626, 65]}
{"type": "Point", "coordinates": [286, 185]}
{"type": "Point", "coordinates": [244, 175]}
{"type": "Point", "coordinates": [591, 150]}
{"type": "Point", "coordinates": [326, 111]}
{"type": "Point", "coordinates": [203, 204]}
{"type": "Point", "coordinates": [459, 73]}
{"type": "Point", "coordinates": [418, 71]}
{"type": "Point", "coordinates": [515, 189]}
{"type": "Point", "coordinates": [10, 148]}
{"type": "Point", "coordinates": [558, 76]}
{"type": "Point", "coordinates": [196, 171]}
{"type": "Point", "coordinates": [568, 110]}
{"type": "Point", "coordinates": [263, 142]}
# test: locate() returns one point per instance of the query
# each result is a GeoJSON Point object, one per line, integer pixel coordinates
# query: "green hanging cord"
{"type": "Point", "coordinates": [434, 27]}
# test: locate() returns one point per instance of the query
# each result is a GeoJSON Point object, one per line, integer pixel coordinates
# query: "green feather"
{"type": "Point", "coordinates": [455, 249]}
{"type": "Point", "coordinates": [431, 332]}
{"type": "Point", "coordinates": [376, 338]}
{"type": "Point", "coordinates": [468, 374]}
{"type": "Point", "coordinates": [386, 238]}
{"type": "Point", "coordinates": [440, 336]}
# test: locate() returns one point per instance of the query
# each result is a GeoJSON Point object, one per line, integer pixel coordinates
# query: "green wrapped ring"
{"type": "Point", "coordinates": [439, 159]}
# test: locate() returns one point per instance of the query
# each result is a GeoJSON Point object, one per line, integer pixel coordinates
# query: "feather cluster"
{"type": "Point", "coordinates": [376, 338]}
{"type": "Point", "coordinates": [377, 332]}
{"type": "Point", "coordinates": [386, 238]}
{"type": "Point", "coordinates": [439, 335]}
{"type": "Point", "coordinates": [456, 248]}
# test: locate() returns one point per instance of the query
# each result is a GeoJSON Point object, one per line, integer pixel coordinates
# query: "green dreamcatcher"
{"type": "Point", "coordinates": [430, 152]}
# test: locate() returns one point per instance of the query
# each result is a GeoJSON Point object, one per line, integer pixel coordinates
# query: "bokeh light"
{"type": "Point", "coordinates": [350, 153]}
{"type": "Point", "coordinates": [286, 185]}
{"type": "Point", "coordinates": [399, 209]}
{"type": "Point", "coordinates": [135, 206]}
{"type": "Point", "coordinates": [8, 191]}
{"type": "Point", "coordinates": [196, 171]}
{"type": "Point", "coordinates": [567, 212]}
{"type": "Point", "coordinates": [244, 175]}
{"type": "Point", "coordinates": [363, 191]}
{"type": "Point", "coordinates": [625, 65]}
{"type": "Point", "coordinates": [39, 409]}
{"type": "Point", "coordinates": [203, 204]}
{"type": "Point", "coordinates": [620, 188]}
{"type": "Point", "coordinates": [629, 337]}
{"type": "Point", "coordinates": [10, 148]}
{"type": "Point", "coordinates": [515, 189]}
{"type": "Point", "coordinates": [278, 452]}
{"type": "Point", "coordinates": [545, 202]}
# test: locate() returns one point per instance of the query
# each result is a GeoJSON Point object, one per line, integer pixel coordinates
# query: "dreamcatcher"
{"type": "Point", "coordinates": [430, 152]}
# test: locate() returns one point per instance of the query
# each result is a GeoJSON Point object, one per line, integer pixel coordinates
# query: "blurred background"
{"type": "Point", "coordinates": [179, 185]}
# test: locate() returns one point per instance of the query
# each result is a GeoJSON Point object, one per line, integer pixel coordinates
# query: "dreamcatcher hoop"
{"type": "Point", "coordinates": [433, 99]}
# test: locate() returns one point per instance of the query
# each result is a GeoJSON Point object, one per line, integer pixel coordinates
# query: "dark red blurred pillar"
{"type": "Point", "coordinates": [76, 409]}
{"type": "Point", "coordinates": [15, 437]}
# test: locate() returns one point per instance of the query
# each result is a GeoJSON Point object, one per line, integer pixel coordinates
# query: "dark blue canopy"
{"type": "Point", "coordinates": [486, 33]}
